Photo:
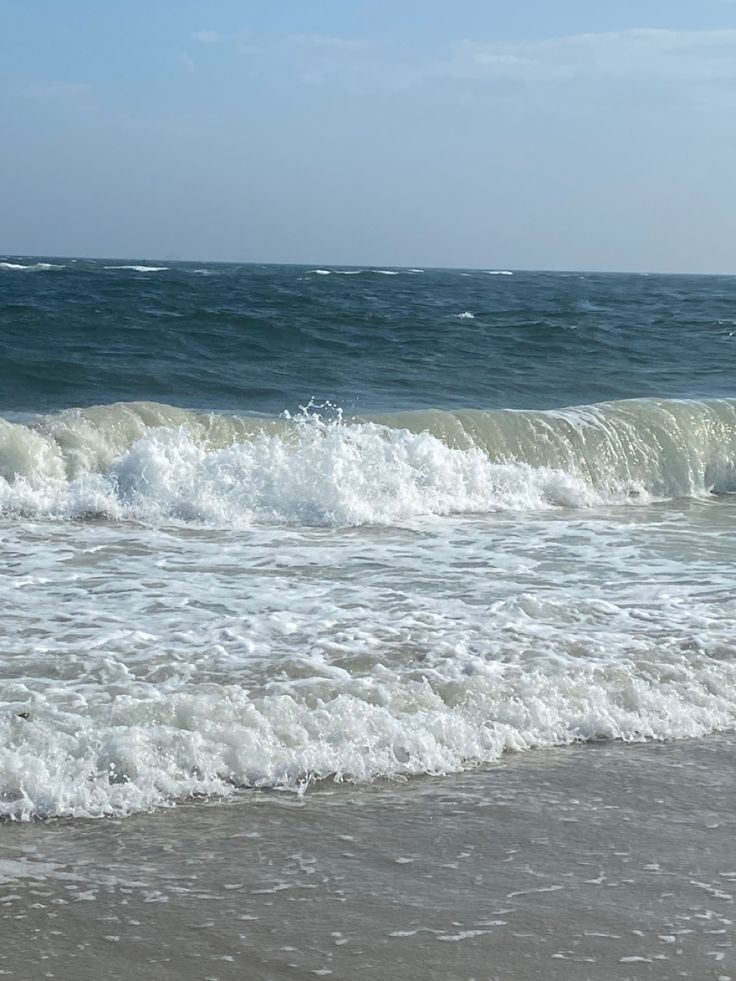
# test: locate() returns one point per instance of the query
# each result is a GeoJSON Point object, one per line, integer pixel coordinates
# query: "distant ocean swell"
{"type": "Point", "coordinates": [151, 462]}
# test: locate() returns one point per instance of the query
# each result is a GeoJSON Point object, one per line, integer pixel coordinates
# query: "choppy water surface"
{"type": "Point", "coordinates": [504, 520]}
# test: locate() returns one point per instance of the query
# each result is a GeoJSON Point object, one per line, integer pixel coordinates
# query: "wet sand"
{"type": "Point", "coordinates": [586, 864]}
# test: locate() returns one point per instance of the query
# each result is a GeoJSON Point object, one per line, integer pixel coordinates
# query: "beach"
{"type": "Point", "coordinates": [592, 863]}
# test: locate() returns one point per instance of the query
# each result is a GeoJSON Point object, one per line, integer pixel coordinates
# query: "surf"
{"type": "Point", "coordinates": [153, 462]}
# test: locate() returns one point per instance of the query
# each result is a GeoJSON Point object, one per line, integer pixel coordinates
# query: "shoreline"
{"type": "Point", "coordinates": [603, 861]}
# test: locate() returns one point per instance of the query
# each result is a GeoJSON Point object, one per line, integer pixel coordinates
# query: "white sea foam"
{"type": "Point", "coordinates": [466, 696]}
{"type": "Point", "coordinates": [358, 272]}
{"type": "Point", "coordinates": [139, 268]}
{"type": "Point", "coordinates": [499, 272]}
{"type": "Point", "coordinates": [33, 267]}
{"type": "Point", "coordinates": [466, 315]}
{"type": "Point", "coordinates": [338, 272]}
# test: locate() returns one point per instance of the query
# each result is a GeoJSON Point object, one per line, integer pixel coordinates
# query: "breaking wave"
{"type": "Point", "coordinates": [151, 462]}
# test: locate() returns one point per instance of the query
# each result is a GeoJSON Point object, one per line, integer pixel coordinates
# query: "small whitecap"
{"type": "Point", "coordinates": [142, 269]}
{"type": "Point", "coordinates": [33, 267]}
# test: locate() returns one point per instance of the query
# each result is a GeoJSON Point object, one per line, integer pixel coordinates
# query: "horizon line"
{"type": "Point", "coordinates": [348, 265]}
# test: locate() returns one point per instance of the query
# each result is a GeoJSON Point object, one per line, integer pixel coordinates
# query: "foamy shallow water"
{"type": "Point", "coordinates": [157, 662]}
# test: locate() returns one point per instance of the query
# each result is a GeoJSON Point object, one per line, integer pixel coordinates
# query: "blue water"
{"type": "Point", "coordinates": [268, 338]}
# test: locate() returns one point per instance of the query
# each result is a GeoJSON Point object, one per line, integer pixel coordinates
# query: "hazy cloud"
{"type": "Point", "coordinates": [703, 61]}
{"type": "Point", "coordinates": [323, 42]}
{"type": "Point", "coordinates": [633, 55]}
{"type": "Point", "coordinates": [186, 61]}
{"type": "Point", "coordinates": [56, 91]}
{"type": "Point", "coordinates": [207, 37]}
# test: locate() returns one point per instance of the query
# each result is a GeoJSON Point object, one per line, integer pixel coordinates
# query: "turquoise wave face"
{"type": "Point", "coordinates": [269, 338]}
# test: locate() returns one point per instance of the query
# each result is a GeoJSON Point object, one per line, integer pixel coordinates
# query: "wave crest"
{"type": "Point", "coordinates": [151, 462]}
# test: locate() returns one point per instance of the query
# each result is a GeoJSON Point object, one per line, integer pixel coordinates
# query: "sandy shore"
{"type": "Point", "coordinates": [602, 862]}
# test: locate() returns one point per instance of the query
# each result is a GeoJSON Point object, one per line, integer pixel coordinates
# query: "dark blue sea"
{"type": "Point", "coordinates": [248, 338]}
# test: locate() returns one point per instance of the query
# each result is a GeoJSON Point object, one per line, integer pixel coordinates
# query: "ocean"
{"type": "Point", "coordinates": [312, 565]}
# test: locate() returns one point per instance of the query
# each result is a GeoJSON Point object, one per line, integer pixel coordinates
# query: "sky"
{"type": "Point", "coordinates": [557, 134]}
